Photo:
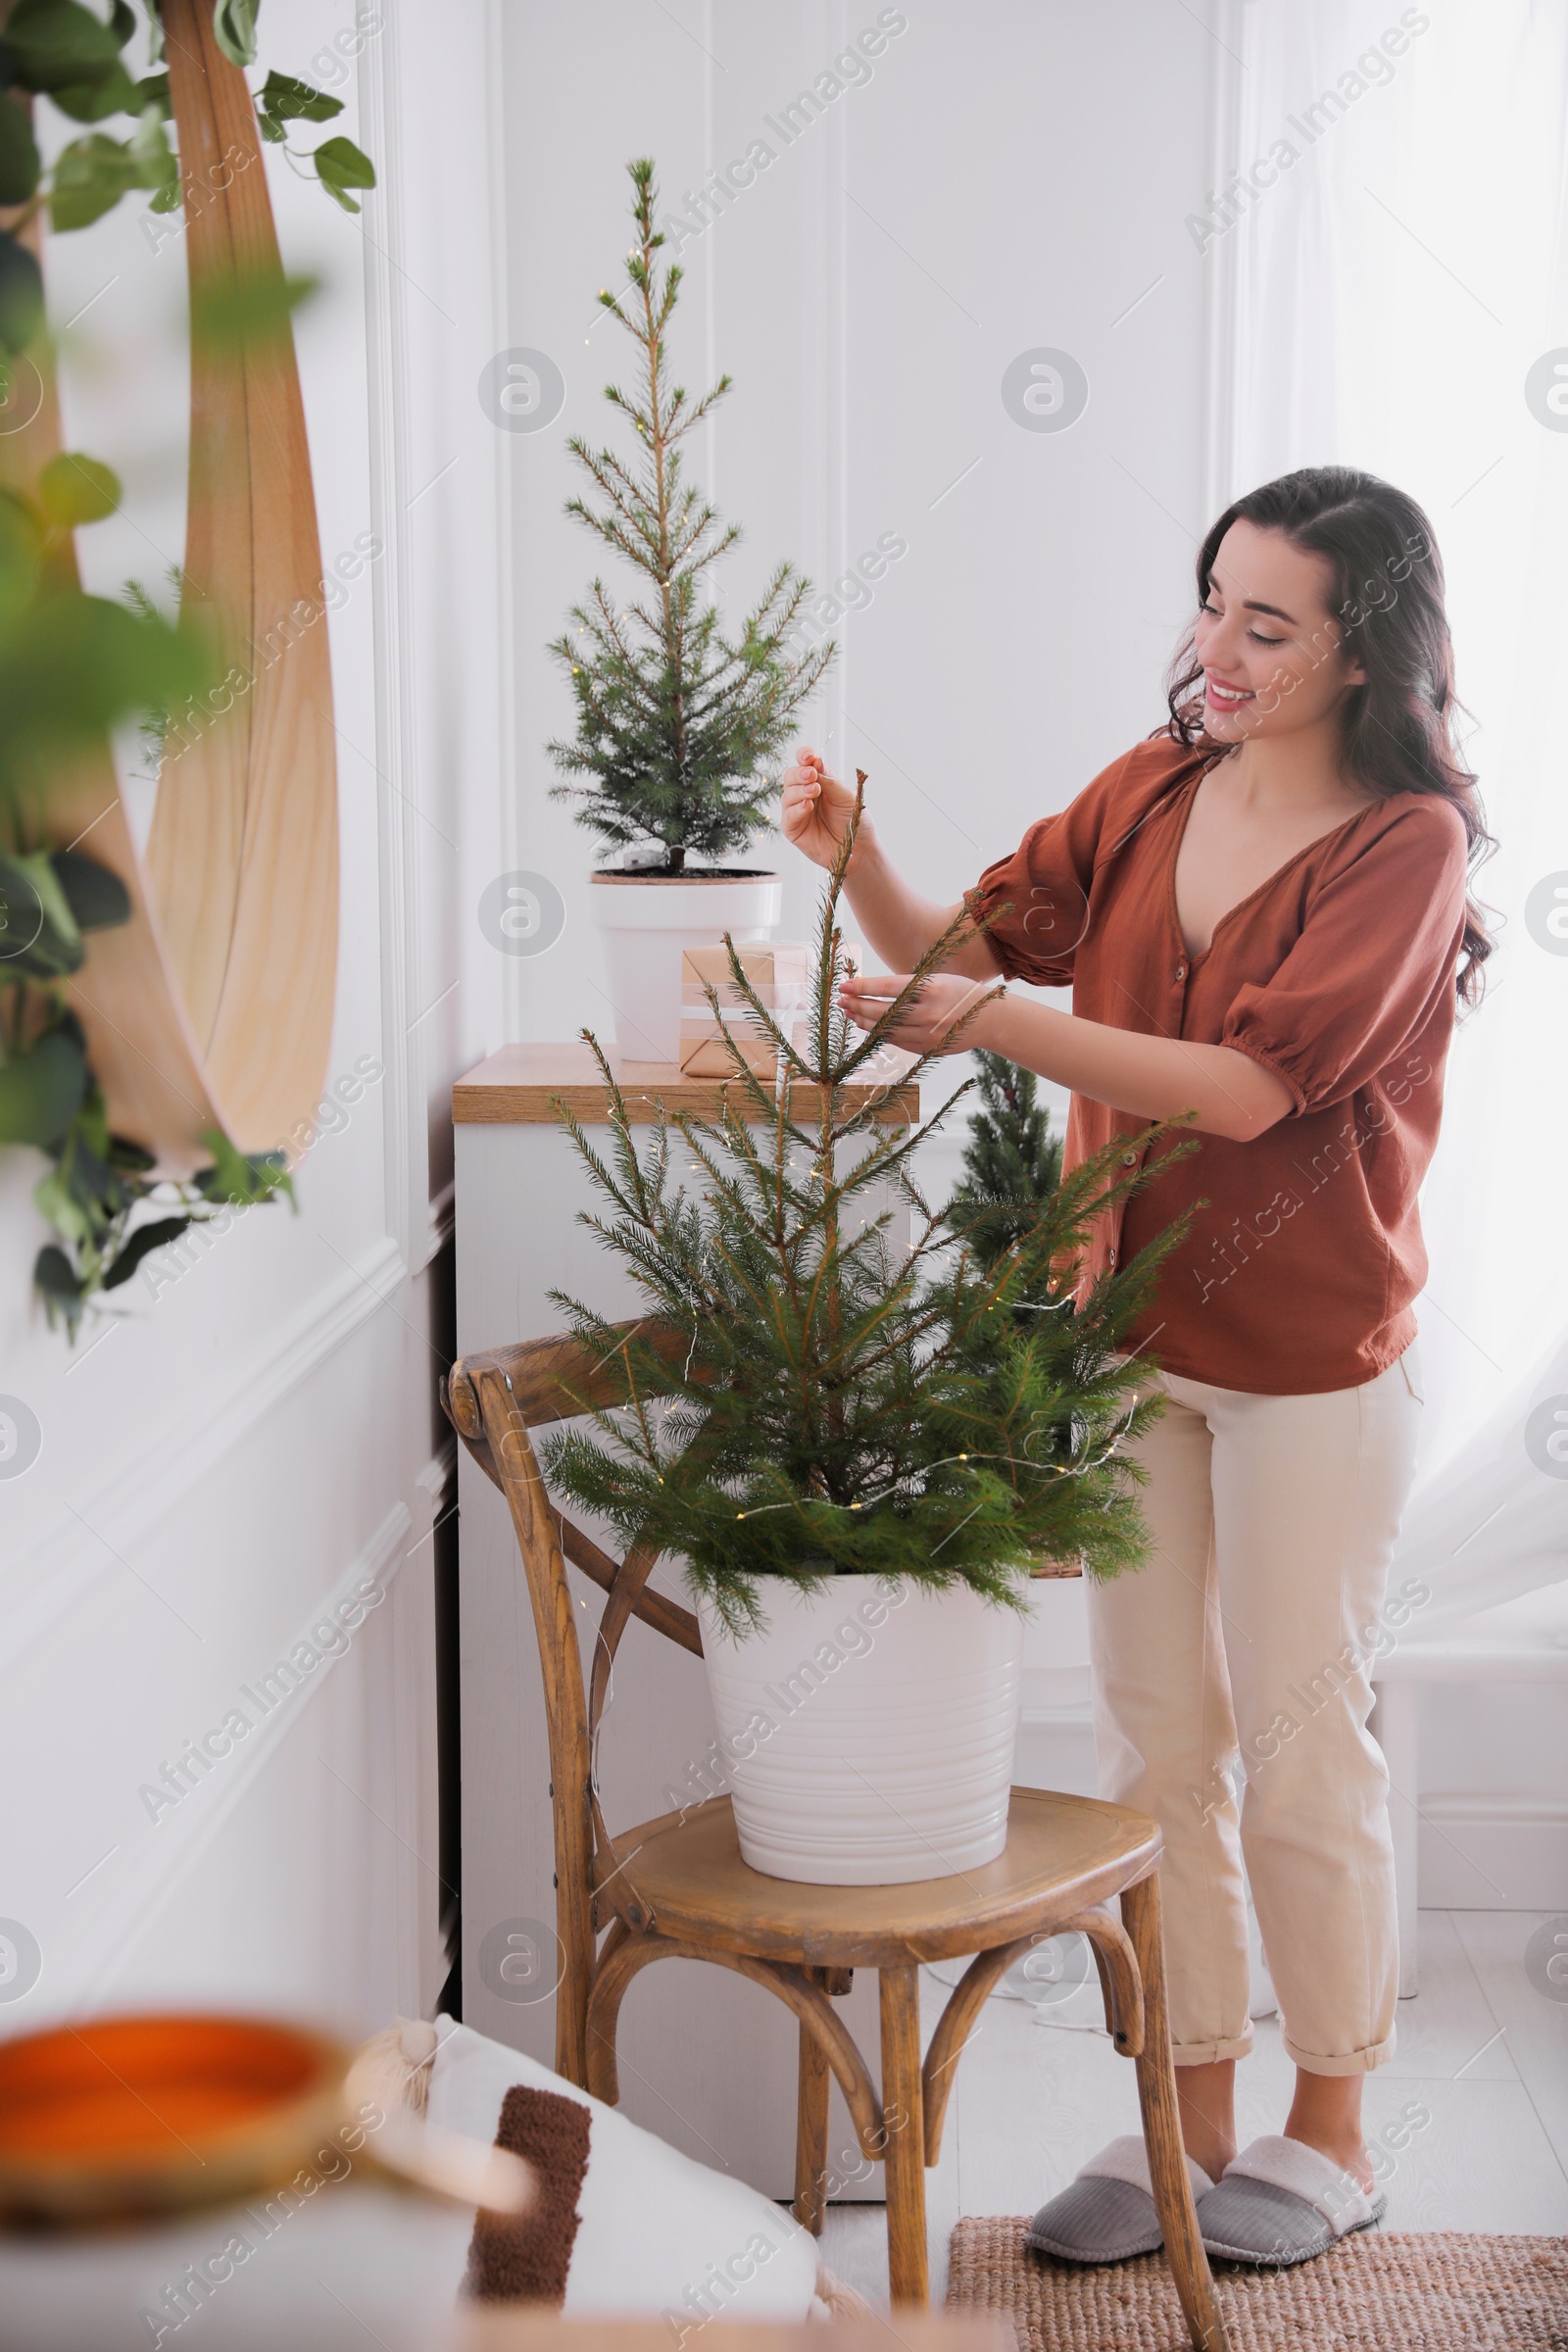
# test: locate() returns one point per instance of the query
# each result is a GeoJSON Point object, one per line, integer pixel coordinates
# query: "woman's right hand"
{"type": "Point", "coordinates": [816, 808]}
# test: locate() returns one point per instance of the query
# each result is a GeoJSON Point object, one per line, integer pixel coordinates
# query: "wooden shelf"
{"type": "Point", "coordinates": [517, 1087]}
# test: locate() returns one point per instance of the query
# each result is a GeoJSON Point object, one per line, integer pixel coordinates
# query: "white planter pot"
{"type": "Point", "coordinates": [647, 923]}
{"type": "Point", "coordinates": [869, 1728]}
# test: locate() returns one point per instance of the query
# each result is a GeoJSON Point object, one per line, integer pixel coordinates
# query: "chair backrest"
{"type": "Point", "coordinates": [492, 1403]}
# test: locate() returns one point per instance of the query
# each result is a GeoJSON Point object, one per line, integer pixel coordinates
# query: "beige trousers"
{"type": "Point", "coordinates": [1251, 1634]}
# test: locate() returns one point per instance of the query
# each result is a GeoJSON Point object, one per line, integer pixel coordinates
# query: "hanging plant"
{"type": "Point", "coordinates": [74, 667]}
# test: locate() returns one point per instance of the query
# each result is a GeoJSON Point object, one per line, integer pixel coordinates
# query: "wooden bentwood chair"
{"type": "Point", "coordinates": [678, 1888]}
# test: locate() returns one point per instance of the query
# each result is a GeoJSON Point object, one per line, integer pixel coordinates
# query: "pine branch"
{"type": "Point", "coordinates": [840, 1407]}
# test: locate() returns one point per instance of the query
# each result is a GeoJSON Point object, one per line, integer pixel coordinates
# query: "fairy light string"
{"type": "Point", "coordinates": [908, 1483]}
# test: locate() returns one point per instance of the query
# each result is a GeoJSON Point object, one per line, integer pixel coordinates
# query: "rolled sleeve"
{"type": "Point", "coordinates": [1040, 896]}
{"type": "Point", "coordinates": [1036, 909]}
{"type": "Point", "coordinates": [1378, 948]}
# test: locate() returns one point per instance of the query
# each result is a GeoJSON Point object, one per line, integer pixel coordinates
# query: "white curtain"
{"type": "Point", "coordinates": [1382, 295]}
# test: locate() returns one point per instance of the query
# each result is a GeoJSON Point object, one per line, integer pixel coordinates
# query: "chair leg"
{"type": "Point", "coordinates": [904, 2121]}
{"type": "Point", "coordinates": [811, 2133]}
{"type": "Point", "coordinates": [1157, 2096]}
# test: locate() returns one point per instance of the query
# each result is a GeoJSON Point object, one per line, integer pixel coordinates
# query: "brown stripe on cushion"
{"type": "Point", "coordinates": [524, 2257]}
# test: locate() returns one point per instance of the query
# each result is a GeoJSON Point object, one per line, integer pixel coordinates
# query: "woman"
{"type": "Point", "coordinates": [1262, 913]}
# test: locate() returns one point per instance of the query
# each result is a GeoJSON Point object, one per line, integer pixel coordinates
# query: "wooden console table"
{"type": "Point", "coordinates": [518, 1086]}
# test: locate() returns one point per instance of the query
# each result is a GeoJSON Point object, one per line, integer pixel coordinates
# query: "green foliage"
{"type": "Point", "coordinates": [20, 555]}
{"type": "Point", "coordinates": [98, 899]}
{"type": "Point", "coordinates": [89, 179]}
{"type": "Point", "coordinates": [234, 29]}
{"type": "Point", "coordinates": [285, 99]}
{"type": "Point", "coordinates": [114, 93]}
{"type": "Point", "coordinates": [341, 165]}
{"type": "Point", "coordinates": [58, 45]}
{"type": "Point", "coordinates": [39, 938]}
{"type": "Point", "coordinates": [241, 1179]}
{"type": "Point", "coordinates": [61, 50]}
{"type": "Point", "coordinates": [21, 294]}
{"type": "Point", "coordinates": [42, 1088]}
{"type": "Point", "coordinates": [75, 490]}
{"type": "Point", "coordinates": [93, 1195]}
{"type": "Point", "coordinates": [805, 1398]}
{"type": "Point", "coordinates": [19, 155]}
{"type": "Point", "coordinates": [1011, 1161]}
{"type": "Point", "coordinates": [252, 305]}
{"type": "Point", "coordinates": [75, 667]}
{"type": "Point", "coordinates": [677, 722]}
{"type": "Point", "coordinates": [157, 163]}
{"type": "Point", "coordinates": [71, 668]}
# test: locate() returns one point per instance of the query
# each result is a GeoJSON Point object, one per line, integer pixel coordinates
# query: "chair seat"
{"type": "Point", "coordinates": [682, 1876]}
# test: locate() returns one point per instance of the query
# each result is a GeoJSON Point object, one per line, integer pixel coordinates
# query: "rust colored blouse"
{"type": "Point", "coordinates": [1336, 974]}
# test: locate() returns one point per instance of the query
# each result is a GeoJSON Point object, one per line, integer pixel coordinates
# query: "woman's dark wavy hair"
{"type": "Point", "coordinates": [1387, 594]}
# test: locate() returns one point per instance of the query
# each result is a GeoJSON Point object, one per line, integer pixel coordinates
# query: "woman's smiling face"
{"type": "Point", "coordinates": [1271, 651]}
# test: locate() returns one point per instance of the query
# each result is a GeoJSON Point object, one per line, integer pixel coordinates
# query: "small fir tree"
{"type": "Point", "coordinates": [807, 1397]}
{"type": "Point", "coordinates": [677, 722]}
{"type": "Point", "coordinates": [1011, 1161]}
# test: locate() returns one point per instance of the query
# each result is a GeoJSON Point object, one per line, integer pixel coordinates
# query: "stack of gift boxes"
{"type": "Point", "coordinates": [780, 974]}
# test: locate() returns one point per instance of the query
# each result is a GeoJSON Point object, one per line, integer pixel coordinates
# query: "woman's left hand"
{"type": "Point", "coordinates": [927, 1022]}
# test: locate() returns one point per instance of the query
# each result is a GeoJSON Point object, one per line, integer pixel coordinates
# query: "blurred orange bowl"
{"type": "Point", "coordinates": [125, 2117]}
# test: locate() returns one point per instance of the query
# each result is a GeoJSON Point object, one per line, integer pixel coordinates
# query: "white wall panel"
{"type": "Point", "coordinates": [996, 185]}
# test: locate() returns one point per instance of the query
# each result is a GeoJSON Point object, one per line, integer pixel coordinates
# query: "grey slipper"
{"type": "Point", "coordinates": [1281, 2202]}
{"type": "Point", "coordinates": [1108, 2214]}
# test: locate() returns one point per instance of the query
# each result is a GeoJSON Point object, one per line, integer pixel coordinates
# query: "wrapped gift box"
{"type": "Point", "coordinates": [778, 973]}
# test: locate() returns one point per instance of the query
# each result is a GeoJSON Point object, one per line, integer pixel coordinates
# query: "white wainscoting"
{"type": "Point", "coordinates": [59, 1570]}
{"type": "Point", "coordinates": [183, 1830]}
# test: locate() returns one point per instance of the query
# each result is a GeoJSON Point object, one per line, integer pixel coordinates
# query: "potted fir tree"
{"type": "Point", "coordinates": [857, 1450]}
{"type": "Point", "coordinates": [1011, 1161]}
{"type": "Point", "coordinates": [676, 721]}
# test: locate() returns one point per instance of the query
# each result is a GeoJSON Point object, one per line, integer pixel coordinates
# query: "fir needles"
{"type": "Point", "coordinates": [676, 721]}
{"type": "Point", "coordinates": [812, 1396]}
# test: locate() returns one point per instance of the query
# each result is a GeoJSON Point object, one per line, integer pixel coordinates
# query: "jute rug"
{"type": "Point", "coordinates": [1378, 2292]}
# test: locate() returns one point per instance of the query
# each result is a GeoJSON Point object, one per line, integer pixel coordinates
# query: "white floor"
{"type": "Point", "coordinates": [1468, 2123]}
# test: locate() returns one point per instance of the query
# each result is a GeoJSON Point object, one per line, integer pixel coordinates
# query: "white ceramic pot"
{"type": "Point", "coordinates": [647, 923]}
{"type": "Point", "coordinates": [869, 1728]}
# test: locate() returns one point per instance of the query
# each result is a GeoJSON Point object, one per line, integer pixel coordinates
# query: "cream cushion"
{"type": "Point", "coordinates": [659, 2233]}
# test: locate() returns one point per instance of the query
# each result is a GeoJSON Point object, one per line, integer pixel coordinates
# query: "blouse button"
{"type": "Point", "coordinates": [1129, 1160]}
{"type": "Point", "coordinates": [1111, 1260]}
{"type": "Point", "coordinates": [1181, 971]}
